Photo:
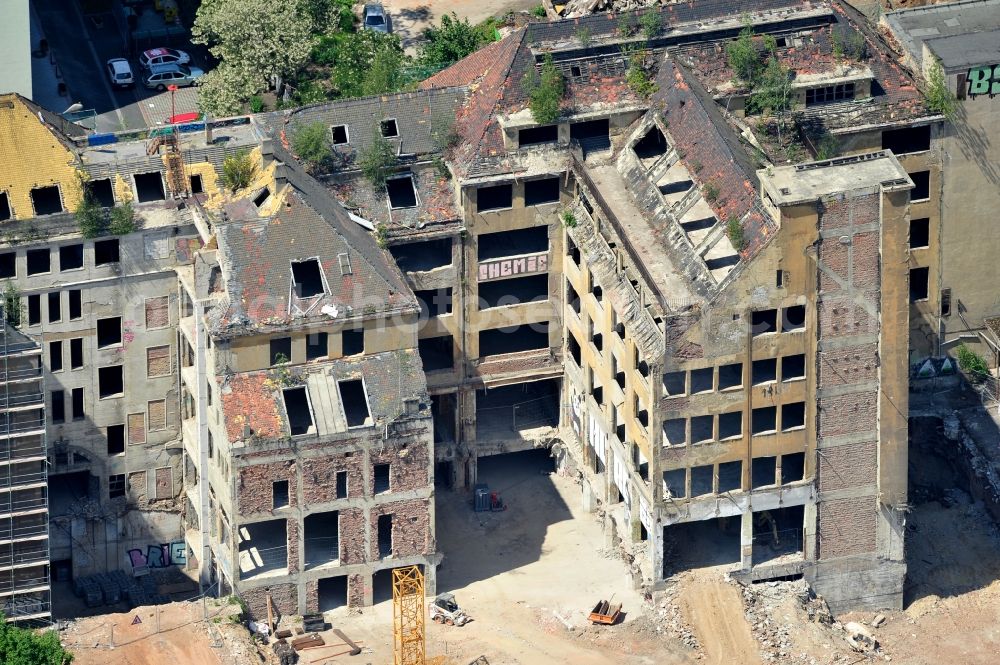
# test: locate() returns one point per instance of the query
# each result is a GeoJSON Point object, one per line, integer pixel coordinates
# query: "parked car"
{"type": "Point", "coordinates": [180, 75]}
{"type": "Point", "coordinates": [375, 18]}
{"type": "Point", "coordinates": [163, 56]}
{"type": "Point", "coordinates": [120, 73]}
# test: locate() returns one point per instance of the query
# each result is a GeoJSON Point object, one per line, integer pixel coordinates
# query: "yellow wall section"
{"type": "Point", "coordinates": [31, 156]}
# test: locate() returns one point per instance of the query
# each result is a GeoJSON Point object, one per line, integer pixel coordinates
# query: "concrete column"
{"type": "Point", "coordinates": [430, 580]}
{"type": "Point", "coordinates": [746, 540]}
{"type": "Point", "coordinates": [589, 502]}
{"type": "Point", "coordinates": [201, 396]}
{"type": "Point", "coordinates": [809, 524]}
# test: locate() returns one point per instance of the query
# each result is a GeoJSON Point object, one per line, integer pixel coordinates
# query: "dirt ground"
{"type": "Point", "coordinates": [173, 634]}
{"type": "Point", "coordinates": [715, 611]}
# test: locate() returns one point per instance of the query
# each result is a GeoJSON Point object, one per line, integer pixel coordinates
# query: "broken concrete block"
{"type": "Point", "coordinates": [878, 620]}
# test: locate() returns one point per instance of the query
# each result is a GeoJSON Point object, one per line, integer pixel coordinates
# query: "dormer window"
{"type": "Point", "coordinates": [339, 134]}
{"type": "Point", "coordinates": [389, 129]}
{"type": "Point", "coordinates": [307, 278]}
{"type": "Point", "coordinates": [401, 192]}
{"type": "Point", "coordinates": [830, 93]}
{"type": "Point", "coordinates": [262, 197]}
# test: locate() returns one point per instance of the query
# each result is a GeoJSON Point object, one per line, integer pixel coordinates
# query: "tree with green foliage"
{"type": "Point", "coordinates": [972, 363]}
{"type": "Point", "coordinates": [20, 646]}
{"type": "Point", "coordinates": [939, 96]}
{"type": "Point", "coordinates": [91, 218]}
{"type": "Point", "coordinates": [772, 93]}
{"type": "Point", "coordinates": [734, 231]}
{"type": "Point", "coordinates": [378, 160]}
{"type": "Point", "coordinates": [544, 92]}
{"type": "Point", "coordinates": [827, 147]}
{"type": "Point", "coordinates": [454, 39]}
{"type": "Point", "coordinates": [312, 144]}
{"type": "Point", "coordinates": [361, 63]}
{"type": "Point", "coordinates": [743, 56]}
{"type": "Point", "coordinates": [651, 24]}
{"type": "Point", "coordinates": [258, 43]}
{"type": "Point", "coordinates": [122, 219]}
{"type": "Point", "coordinates": [238, 171]}
{"type": "Point", "coordinates": [538, 11]}
{"type": "Point", "coordinates": [12, 304]}
{"type": "Point", "coordinates": [636, 76]}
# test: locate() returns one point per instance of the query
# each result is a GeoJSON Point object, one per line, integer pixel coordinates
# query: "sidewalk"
{"type": "Point", "coordinates": [44, 77]}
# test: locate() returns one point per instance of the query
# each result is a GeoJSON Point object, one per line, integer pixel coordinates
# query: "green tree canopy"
{"type": "Point", "coordinates": [19, 646]}
{"type": "Point", "coordinates": [454, 39]}
{"type": "Point", "coordinates": [361, 63]}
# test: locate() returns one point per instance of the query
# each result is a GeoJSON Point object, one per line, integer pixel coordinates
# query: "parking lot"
{"type": "Point", "coordinates": [81, 45]}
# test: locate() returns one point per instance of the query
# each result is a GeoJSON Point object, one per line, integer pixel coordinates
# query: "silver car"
{"type": "Point", "coordinates": [375, 18]}
{"type": "Point", "coordinates": [180, 75]}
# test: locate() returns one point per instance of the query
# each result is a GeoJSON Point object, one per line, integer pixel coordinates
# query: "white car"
{"type": "Point", "coordinates": [155, 57]}
{"type": "Point", "coordinates": [120, 73]}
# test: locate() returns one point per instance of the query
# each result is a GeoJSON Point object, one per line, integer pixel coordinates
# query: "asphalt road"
{"type": "Point", "coordinates": [82, 45]}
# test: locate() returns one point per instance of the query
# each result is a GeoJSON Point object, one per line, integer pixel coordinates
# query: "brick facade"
{"type": "Point", "coordinates": [410, 528]}
{"type": "Point", "coordinates": [319, 477]}
{"type": "Point", "coordinates": [846, 466]}
{"type": "Point", "coordinates": [352, 536]}
{"type": "Point", "coordinates": [846, 527]}
{"type": "Point", "coordinates": [283, 596]}
{"type": "Point", "coordinates": [857, 364]}
{"type": "Point", "coordinates": [254, 488]}
{"type": "Point", "coordinates": [356, 586]}
{"type": "Point", "coordinates": [847, 414]}
{"type": "Point", "coordinates": [293, 545]}
{"type": "Point", "coordinates": [407, 470]}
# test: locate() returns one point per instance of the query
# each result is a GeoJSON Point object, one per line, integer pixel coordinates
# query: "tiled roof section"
{"type": "Point", "coordinates": [257, 253]}
{"type": "Point", "coordinates": [723, 165]}
{"type": "Point", "coordinates": [601, 25]}
{"type": "Point", "coordinates": [894, 98]}
{"type": "Point", "coordinates": [62, 129]}
{"type": "Point", "coordinates": [435, 204]}
{"type": "Point", "coordinates": [418, 115]}
{"type": "Point", "coordinates": [255, 398]}
{"type": "Point", "coordinates": [469, 69]}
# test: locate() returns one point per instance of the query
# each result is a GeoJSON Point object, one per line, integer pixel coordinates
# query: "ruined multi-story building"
{"type": "Point", "coordinates": [710, 311]}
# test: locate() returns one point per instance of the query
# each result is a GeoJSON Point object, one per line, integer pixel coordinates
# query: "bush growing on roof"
{"type": "Point", "coordinates": [312, 143]}
{"type": "Point", "coordinates": [455, 38]}
{"type": "Point", "coordinates": [378, 160]}
{"type": "Point", "coordinates": [544, 91]}
{"type": "Point", "coordinates": [238, 171]}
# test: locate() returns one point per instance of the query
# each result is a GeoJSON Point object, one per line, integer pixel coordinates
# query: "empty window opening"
{"type": "Point", "coordinates": [730, 476]}
{"type": "Point", "coordinates": [762, 471]}
{"type": "Point", "coordinates": [262, 197]}
{"type": "Point", "coordinates": [384, 536]}
{"type": "Point", "coordinates": [730, 376]}
{"type": "Point", "coordinates": [512, 243]}
{"type": "Point", "coordinates": [946, 302]}
{"type": "Point", "coordinates": [381, 478]}
{"type": "Point", "coordinates": [116, 439]}
{"type": "Point", "coordinates": [116, 485]}
{"type": "Point", "coordinates": [338, 134]}
{"type": "Point", "coordinates": [149, 187]}
{"type": "Point", "coordinates": [77, 399]}
{"type": "Point", "coordinates": [102, 191]}
{"type": "Point", "coordinates": [352, 342]}
{"type": "Point", "coordinates": [701, 429]}
{"type": "Point", "coordinates": [793, 416]}
{"type": "Point", "coordinates": [109, 332]}
{"type": "Point", "coordinates": [437, 353]}
{"type": "Point", "coordinates": [764, 371]}
{"type": "Point", "coordinates": [538, 135]}
{"type": "Point", "coordinates": [702, 380]}
{"type": "Point", "coordinates": [515, 291]}
{"type": "Point", "coordinates": [777, 533]}
{"type": "Point", "coordinates": [317, 345]}
{"type": "Point", "coordinates": [71, 257]}
{"type": "Point", "coordinates": [421, 256]}
{"type": "Point", "coordinates": [34, 309]}
{"type": "Point", "coordinates": [76, 353]}
{"type": "Point", "coordinates": [514, 339]}
{"type": "Point", "coordinates": [5, 212]}
{"type": "Point", "coordinates": [196, 185]}
{"type": "Point", "coordinates": [281, 350]}
{"type": "Point", "coordinates": [496, 197]}
{"type": "Point", "coordinates": [355, 403]}
{"type": "Point", "coordinates": [307, 278]}
{"type": "Point", "coordinates": [598, 341]}
{"type": "Point", "coordinates": [75, 304]}
{"type": "Point", "coordinates": [920, 233]}
{"type": "Point", "coordinates": [389, 128]}
{"type": "Point", "coordinates": [701, 480]}
{"type": "Point", "coordinates": [907, 139]}
{"type": "Point", "coordinates": [401, 192]}
{"type": "Point", "coordinates": [263, 547]}
{"type": "Point", "coordinates": [830, 93]}
{"type": "Point", "coordinates": [679, 187]}
{"type": "Point", "coordinates": [279, 494]}
{"type": "Point", "coordinates": [111, 381]}
{"type": "Point", "coordinates": [572, 298]}
{"type": "Point", "coordinates": [652, 144]}
{"type": "Point", "coordinates": [674, 432]}
{"type": "Point", "coordinates": [591, 129]}
{"type": "Point", "coordinates": [572, 251]}
{"type": "Point", "coordinates": [58, 414]}
{"type": "Point", "coordinates": [321, 532]}
{"type": "Point", "coordinates": [39, 261]}
{"type": "Point", "coordinates": [779, 278]}
{"type": "Point", "coordinates": [597, 292]}
{"type": "Point", "coordinates": [55, 311]}
{"type": "Point", "coordinates": [341, 487]}
{"type": "Point", "coordinates": [46, 200]}
{"type": "Point", "coordinates": [919, 284]}
{"type": "Point", "coordinates": [921, 185]}
{"type": "Point", "coordinates": [538, 192]}
{"type": "Point", "coordinates": [792, 467]}
{"type": "Point", "coordinates": [730, 425]}
{"type": "Point", "coordinates": [105, 252]}
{"type": "Point", "coordinates": [8, 264]}
{"type": "Point", "coordinates": [793, 367]}
{"type": "Point", "coordinates": [503, 411]}
{"type": "Point", "coordinates": [574, 349]}
{"type": "Point", "coordinates": [763, 322]}
{"type": "Point", "coordinates": [763, 420]}
{"type": "Point", "coordinates": [300, 419]}
{"type": "Point", "coordinates": [55, 356]}
{"type": "Point", "coordinates": [673, 384]}
{"type": "Point", "coordinates": [793, 318]}
{"type": "Point", "coordinates": [675, 483]}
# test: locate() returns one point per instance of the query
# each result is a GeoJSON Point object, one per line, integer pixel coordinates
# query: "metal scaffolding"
{"type": "Point", "coordinates": [408, 615]}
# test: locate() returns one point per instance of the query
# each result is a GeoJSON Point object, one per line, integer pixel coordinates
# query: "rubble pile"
{"type": "Point", "coordinates": [668, 618]}
{"type": "Point", "coordinates": [761, 606]}
{"type": "Point", "coordinates": [576, 8]}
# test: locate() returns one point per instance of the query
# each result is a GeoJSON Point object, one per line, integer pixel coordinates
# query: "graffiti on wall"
{"type": "Point", "coordinates": [509, 267]}
{"type": "Point", "coordinates": [158, 556]}
{"type": "Point", "coordinates": [983, 81]}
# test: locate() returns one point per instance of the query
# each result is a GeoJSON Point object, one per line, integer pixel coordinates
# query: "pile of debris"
{"type": "Point", "coordinates": [668, 617]}
{"type": "Point", "coordinates": [759, 604]}
{"type": "Point", "coordinates": [576, 8]}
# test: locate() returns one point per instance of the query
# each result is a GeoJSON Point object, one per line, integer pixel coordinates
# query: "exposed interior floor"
{"type": "Point", "coordinates": [704, 544]}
